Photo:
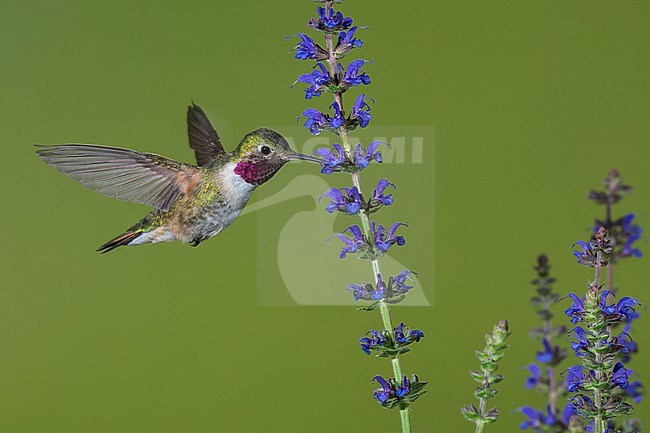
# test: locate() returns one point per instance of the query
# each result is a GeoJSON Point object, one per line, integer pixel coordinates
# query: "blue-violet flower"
{"type": "Point", "coordinates": [330, 21]}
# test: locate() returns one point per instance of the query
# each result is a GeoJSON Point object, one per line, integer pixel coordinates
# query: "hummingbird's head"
{"type": "Point", "coordinates": [262, 153]}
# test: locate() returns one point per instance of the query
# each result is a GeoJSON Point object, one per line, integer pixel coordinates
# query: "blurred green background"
{"type": "Point", "coordinates": [532, 104]}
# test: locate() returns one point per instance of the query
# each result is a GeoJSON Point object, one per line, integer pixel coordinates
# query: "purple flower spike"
{"type": "Point", "coordinates": [366, 239]}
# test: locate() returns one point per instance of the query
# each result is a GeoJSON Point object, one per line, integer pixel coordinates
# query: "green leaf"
{"type": "Point", "coordinates": [489, 366]}
{"type": "Point", "coordinates": [495, 379]}
{"type": "Point", "coordinates": [491, 415]}
{"type": "Point", "coordinates": [497, 357]}
{"type": "Point", "coordinates": [477, 376]}
{"type": "Point", "coordinates": [370, 307]}
{"type": "Point", "coordinates": [414, 395]}
{"type": "Point", "coordinates": [470, 413]}
{"type": "Point", "coordinates": [485, 393]}
{"type": "Point", "coordinates": [390, 403]}
{"type": "Point", "coordinates": [482, 356]}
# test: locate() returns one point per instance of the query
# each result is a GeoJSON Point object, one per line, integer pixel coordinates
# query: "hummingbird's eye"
{"type": "Point", "coordinates": [265, 150]}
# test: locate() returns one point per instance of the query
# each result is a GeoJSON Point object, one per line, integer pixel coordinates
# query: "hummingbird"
{"type": "Point", "coordinates": [192, 202]}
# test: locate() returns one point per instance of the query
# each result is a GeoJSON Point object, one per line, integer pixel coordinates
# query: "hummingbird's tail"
{"type": "Point", "coordinates": [123, 239]}
{"type": "Point", "coordinates": [151, 229]}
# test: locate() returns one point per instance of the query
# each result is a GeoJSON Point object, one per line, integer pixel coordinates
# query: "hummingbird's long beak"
{"type": "Point", "coordinates": [303, 157]}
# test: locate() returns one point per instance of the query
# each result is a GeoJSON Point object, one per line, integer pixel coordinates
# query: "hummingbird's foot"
{"type": "Point", "coordinates": [195, 242]}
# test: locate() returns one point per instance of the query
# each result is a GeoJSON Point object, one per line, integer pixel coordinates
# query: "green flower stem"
{"type": "Point", "coordinates": [552, 393]}
{"type": "Point", "coordinates": [384, 310]}
{"type": "Point", "coordinates": [599, 422]}
{"type": "Point", "coordinates": [599, 256]}
{"type": "Point", "coordinates": [610, 276]}
{"type": "Point", "coordinates": [495, 345]}
{"type": "Point", "coordinates": [550, 371]}
{"type": "Point", "coordinates": [405, 416]}
{"type": "Point", "coordinates": [482, 408]}
{"type": "Point", "coordinates": [608, 225]}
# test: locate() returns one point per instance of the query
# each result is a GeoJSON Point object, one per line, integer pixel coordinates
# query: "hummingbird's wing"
{"type": "Point", "coordinates": [124, 174]}
{"type": "Point", "coordinates": [203, 138]}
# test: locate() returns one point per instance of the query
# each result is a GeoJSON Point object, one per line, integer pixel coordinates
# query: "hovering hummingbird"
{"type": "Point", "coordinates": [193, 203]}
